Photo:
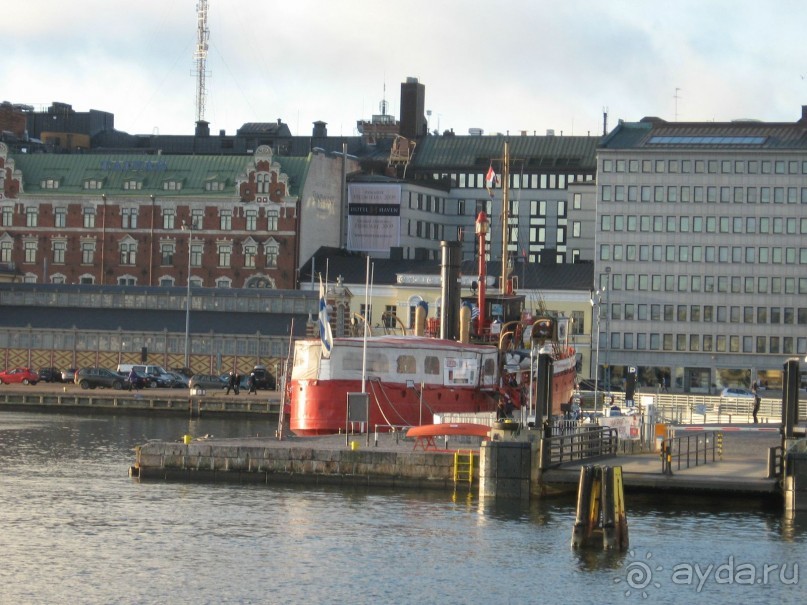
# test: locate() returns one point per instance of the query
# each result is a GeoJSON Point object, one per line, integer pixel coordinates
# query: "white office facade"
{"type": "Point", "coordinates": [700, 252]}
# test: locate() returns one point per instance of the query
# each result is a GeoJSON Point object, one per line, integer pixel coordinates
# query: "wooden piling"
{"type": "Point", "coordinates": [600, 509]}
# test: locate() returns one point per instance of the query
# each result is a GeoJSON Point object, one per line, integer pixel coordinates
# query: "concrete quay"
{"type": "Point", "coordinates": [71, 398]}
{"type": "Point", "coordinates": [393, 462]}
{"type": "Point", "coordinates": [741, 470]}
{"type": "Point", "coordinates": [327, 460]}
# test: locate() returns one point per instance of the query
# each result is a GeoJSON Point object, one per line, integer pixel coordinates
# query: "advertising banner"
{"type": "Point", "coordinates": [627, 426]}
{"type": "Point", "coordinates": [374, 217]}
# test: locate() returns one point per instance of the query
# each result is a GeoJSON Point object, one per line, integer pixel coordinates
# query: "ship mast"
{"type": "Point", "coordinates": [505, 219]}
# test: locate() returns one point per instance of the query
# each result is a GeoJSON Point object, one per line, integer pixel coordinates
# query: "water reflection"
{"type": "Point", "coordinates": [68, 507]}
{"type": "Point", "coordinates": [597, 559]}
{"type": "Point", "coordinates": [793, 526]}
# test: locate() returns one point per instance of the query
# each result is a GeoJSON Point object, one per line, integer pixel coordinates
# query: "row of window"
{"type": "Point", "coordinates": [476, 180]}
{"type": "Point", "coordinates": [708, 254]}
{"type": "Point", "coordinates": [724, 284]}
{"type": "Point", "coordinates": [247, 300]}
{"type": "Point", "coordinates": [763, 225]}
{"type": "Point", "coordinates": [708, 313]}
{"type": "Point", "coordinates": [128, 252]}
{"type": "Point", "coordinates": [705, 166]}
{"type": "Point", "coordinates": [166, 281]}
{"type": "Point", "coordinates": [98, 184]}
{"type": "Point", "coordinates": [699, 194]}
{"type": "Point", "coordinates": [707, 343]}
{"type": "Point", "coordinates": [128, 217]}
{"type": "Point", "coordinates": [157, 343]}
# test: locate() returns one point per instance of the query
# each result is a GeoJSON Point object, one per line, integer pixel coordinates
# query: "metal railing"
{"type": "Point", "coordinates": [680, 408]}
{"type": "Point", "coordinates": [690, 450]}
{"type": "Point", "coordinates": [398, 431]}
{"type": "Point", "coordinates": [587, 442]}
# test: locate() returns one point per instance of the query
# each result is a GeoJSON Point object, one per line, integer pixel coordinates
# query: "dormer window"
{"type": "Point", "coordinates": [214, 186]}
{"type": "Point", "coordinates": [50, 183]}
{"type": "Point", "coordinates": [133, 185]}
{"type": "Point", "coordinates": [93, 184]}
{"type": "Point", "coordinates": [172, 185]}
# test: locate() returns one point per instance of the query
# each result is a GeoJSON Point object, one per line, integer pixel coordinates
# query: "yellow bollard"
{"type": "Point", "coordinates": [354, 445]}
{"type": "Point", "coordinates": [186, 439]}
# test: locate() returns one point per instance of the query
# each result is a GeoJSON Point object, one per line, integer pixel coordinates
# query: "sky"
{"type": "Point", "coordinates": [505, 67]}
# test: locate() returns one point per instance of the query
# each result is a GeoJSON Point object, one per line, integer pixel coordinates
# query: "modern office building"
{"type": "Point", "coordinates": [701, 257]}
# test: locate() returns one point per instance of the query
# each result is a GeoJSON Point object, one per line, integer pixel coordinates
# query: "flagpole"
{"type": "Point", "coordinates": [505, 213]}
{"type": "Point", "coordinates": [366, 315]}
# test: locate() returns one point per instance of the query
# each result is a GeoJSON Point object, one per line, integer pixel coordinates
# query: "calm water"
{"type": "Point", "coordinates": [75, 529]}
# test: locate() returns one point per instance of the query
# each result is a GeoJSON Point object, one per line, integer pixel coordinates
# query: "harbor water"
{"type": "Point", "coordinates": [74, 528]}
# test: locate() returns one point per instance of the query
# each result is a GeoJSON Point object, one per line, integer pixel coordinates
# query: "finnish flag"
{"type": "Point", "coordinates": [325, 335]}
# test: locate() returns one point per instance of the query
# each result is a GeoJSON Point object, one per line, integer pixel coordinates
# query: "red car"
{"type": "Point", "coordinates": [17, 375]}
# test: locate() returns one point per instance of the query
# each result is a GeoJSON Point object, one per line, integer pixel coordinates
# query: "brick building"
{"type": "Point", "coordinates": [119, 219]}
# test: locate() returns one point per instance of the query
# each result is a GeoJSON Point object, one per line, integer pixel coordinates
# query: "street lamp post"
{"type": "Point", "coordinates": [189, 229]}
{"type": "Point", "coordinates": [607, 335]}
{"type": "Point", "coordinates": [595, 307]}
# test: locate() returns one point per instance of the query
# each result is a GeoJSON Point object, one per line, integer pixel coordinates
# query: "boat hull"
{"type": "Point", "coordinates": [408, 380]}
{"type": "Point", "coordinates": [320, 407]}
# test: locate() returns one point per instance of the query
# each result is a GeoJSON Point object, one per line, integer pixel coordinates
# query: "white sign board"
{"type": "Point", "coordinates": [373, 217]}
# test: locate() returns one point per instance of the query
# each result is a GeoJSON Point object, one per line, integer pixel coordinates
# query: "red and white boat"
{"type": "Point", "coordinates": [409, 380]}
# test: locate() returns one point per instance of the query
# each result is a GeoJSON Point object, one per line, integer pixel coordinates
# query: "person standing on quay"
{"type": "Point", "coordinates": [251, 383]}
{"type": "Point", "coordinates": [231, 382]}
{"type": "Point", "coordinates": [757, 400]}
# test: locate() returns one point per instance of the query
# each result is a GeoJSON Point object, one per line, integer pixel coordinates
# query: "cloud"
{"type": "Point", "coordinates": [514, 65]}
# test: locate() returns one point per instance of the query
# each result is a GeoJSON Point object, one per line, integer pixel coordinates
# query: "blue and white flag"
{"type": "Point", "coordinates": [325, 334]}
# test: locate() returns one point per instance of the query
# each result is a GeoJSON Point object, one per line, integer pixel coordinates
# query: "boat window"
{"type": "Point", "coordinates": [489, 367]}
{"type": "Point", "coordinates": [351, 361]}
{"type": "Point", "coordinates": [432, 364]}
{"type": "Point", "coordinates": [407, 364]}
{"type": "Point", "coordinates": [379, 363]}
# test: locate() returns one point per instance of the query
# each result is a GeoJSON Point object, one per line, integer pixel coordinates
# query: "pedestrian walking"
{"type": "Point", "coordinates": [251, 384]}
{"type": "Point", "coordinates": [231, 382]}
{"type": "Point", "coordinates": [757, 400]}
{"type": "Point", "coordinates": [237, 385]}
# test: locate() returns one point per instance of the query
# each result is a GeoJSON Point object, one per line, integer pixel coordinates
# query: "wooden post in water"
{"type": "Point", "coordinates": [600, 509]}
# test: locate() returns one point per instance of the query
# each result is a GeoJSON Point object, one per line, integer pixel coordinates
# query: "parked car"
{"type": "Point", "coordinates": [141, 381]}
{"type": "Point", "coordinates": [91, 378]}
{"type": "Point", "coordinates": [736, 392]}
{"type": "Point", "coordinates": [186, 372]}
{"type": "Point", "coordinates": [19, 375]}
{"type": "Point", "coordinates": [207, 381]}
{"type": "Point", "coordinates": [50, 375]}
{"type": "Point", "coordinates": [263, 378]}
{"type": "Point", "coordinates": [69, 375]}
{"type": "Point", "coordinates": [178, 381]}
{"type": "Point", "coordinates": [155, 376]}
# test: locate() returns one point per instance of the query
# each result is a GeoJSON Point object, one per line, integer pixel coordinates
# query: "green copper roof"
{"type": "Point", "coordinates": [150, 171]}
{"type": "Point", "coordinates": [454, 152]}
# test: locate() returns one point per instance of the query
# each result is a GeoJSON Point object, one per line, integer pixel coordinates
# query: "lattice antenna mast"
{"type": "Point", "coordinates": [200, 57]}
